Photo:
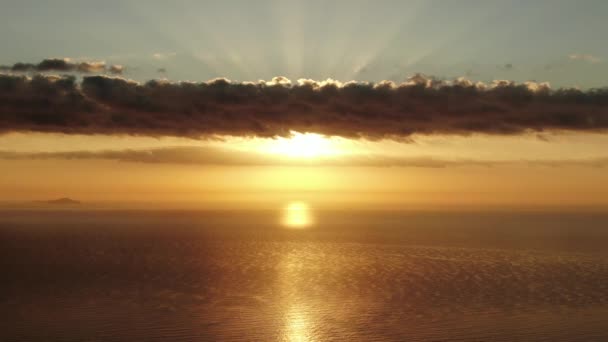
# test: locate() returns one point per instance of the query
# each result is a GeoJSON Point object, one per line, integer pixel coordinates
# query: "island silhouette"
{"type": "Point", "coordinates": [61, 201]}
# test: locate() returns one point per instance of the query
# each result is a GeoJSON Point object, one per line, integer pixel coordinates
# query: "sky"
{"type": "Point", "coordinates": [561, 42]}
{"type": "Point", "coordinates": [383, 103]}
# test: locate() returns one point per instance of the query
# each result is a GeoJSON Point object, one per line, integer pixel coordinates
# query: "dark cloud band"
{"type": "Point", "coordinates": [106, 105]}
{"type": "Point", "coordinates": [63, 65]}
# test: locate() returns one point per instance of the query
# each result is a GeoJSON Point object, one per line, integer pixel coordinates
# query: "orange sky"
{"type": "Point", "coordinates": [476, 171]}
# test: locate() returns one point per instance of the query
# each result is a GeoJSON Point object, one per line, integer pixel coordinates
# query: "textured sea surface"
{"type": "Point", "coordinates": [353, 276]}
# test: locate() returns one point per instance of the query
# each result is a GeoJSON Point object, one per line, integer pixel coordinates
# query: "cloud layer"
{"type": "Point", "coordinates": [422, 105]}
{"type": "Point", "coordinates": [584, 57]}
{"type": "Point", "coordinates": [63, 65]}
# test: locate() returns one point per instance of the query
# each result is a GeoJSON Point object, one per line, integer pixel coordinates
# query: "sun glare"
{"type": "Point", "coordinates": [302, 145]}
{"type": "Point", "coordinates": [297, 215]}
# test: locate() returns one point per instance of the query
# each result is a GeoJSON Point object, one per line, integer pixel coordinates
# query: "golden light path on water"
{"type": "Point", "coordinates": [298, 215]}
{"type": "Point", "coordinates": [297, 315]}
{"type": "Point", "coordinates": [299, 319]}
{"type": "Point", "coordinates": [297, 324]}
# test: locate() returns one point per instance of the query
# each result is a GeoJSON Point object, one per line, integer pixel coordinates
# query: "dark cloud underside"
{"type": "Point", "coordinates": [63, 65]}
{"type": "Point", "coordinates": [104, 105]}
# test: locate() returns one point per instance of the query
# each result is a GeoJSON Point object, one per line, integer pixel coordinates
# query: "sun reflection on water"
{"type": "Point", "coordinates": [297, 215]}
{"type": "Point", "coordinates": [297, 324]}
{"type": "Point", "coordinates": [298, 317]}
{"type": "Point", "coordinates": [300, 321]}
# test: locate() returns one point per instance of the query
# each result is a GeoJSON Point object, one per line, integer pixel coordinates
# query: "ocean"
{"type": "Point", "coordinates": [244, 275]}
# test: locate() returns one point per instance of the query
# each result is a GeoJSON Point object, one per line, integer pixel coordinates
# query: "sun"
{"type": "Point", "coordinates": [302, 145]}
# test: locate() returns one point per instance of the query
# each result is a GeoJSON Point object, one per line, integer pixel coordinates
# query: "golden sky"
{"type": "Point", "coordinates": [425, 171]}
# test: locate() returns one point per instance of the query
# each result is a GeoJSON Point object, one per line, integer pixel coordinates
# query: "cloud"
{"type": "Point", "coordinates": [63, 65]}
{"type": "Point", "coordinates": [116, 69]}
{"type": "Point", "coordinates": [506, 67]}
{"type": "Point", "coordinates": [584, 57]}
{"type": "Point", "coordinates": [163, 56]}
{"type": "Point", "coordinates": [168, 155]}
{"type": "Point", "coordinates": [421, 105]}
{"type": "Point", "coordinates": [91, 66]}
{"type": "Point", "coordinates": [192, 155]}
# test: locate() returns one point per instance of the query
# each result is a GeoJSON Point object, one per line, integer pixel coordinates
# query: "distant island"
{"type": "Point", "coordinates": [62, 201]}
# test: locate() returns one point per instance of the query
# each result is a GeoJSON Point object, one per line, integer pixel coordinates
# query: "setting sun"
{"type": "Point", "coordinates": [302, 145]}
